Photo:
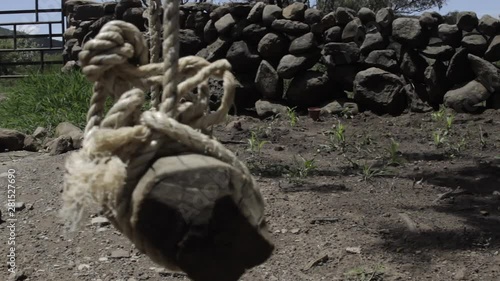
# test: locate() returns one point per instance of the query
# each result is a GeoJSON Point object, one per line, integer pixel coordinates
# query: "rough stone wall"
{"type": "Point", "coordinates": [300, 57]}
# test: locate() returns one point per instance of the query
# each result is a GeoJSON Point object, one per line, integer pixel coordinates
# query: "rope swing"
{"type": "Point", "coordinates": [178, 194]}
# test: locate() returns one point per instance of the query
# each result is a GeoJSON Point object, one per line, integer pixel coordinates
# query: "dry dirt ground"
{"type": "Point", "coordinates": [350, 212]}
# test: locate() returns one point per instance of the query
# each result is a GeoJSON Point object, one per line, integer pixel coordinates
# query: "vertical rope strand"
{"type": "Point", "coordinates": [155, 45]}
{"type": "Point", "coordinates": [170, 55]}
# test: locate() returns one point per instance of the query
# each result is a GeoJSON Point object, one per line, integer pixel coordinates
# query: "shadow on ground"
{"type": "Point", "coordinates": [474, 203]}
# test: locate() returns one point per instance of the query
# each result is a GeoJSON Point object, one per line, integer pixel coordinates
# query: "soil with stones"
{"type": "Point", "coordinates": [391, 198]}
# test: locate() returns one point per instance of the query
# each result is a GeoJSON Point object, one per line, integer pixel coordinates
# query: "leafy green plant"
{"type": "Point", "coordinates": [449, 122]}
{"type": "Point", "coordinates": [292, 116]}
{"type": "Point", "coordinates": [362, 274]}
{"type": "Point", "coordinates": [337, 138]}
{"type": "Point", "coordinates": [368, 172]}
{"type": "Point", "coordinates": [439, 115]}
{"type": "Point", "coordinates": [439, 138]}
{"type": "Point", "coordinates": [457, 148]}
{"type": "Point", "coordinates": [255, 144]}
{"type": "Point", "coordinates": [395, 158]}
{"type": "Point", "coordinates": [303, 168]}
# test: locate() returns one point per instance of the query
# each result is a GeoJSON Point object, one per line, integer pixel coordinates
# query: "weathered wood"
{"type": "Point", "coordinates": [200, 215]}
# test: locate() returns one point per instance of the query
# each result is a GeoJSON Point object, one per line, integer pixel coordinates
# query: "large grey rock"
{"type": "Point", "coordinates": [385, 17]}
{"type": "Point", "coordinates": [291, 65]}
{"type": "Point", "coordinates": [311, 88]}
{"type": "Point", "coordinates": [459, 69]}
{"type": "Point", "coordinates": [60, 145]}
{"type": "Point", "coordinates": [134, 16]}
{"type": "Point", "coordinates": [416, 96]}
{"type": "Point", "coordinates": [333, 34]}
{"type": "Point", "coordinates": [493, 51]}
{"type": "Point", "coordinates": [303, 44]}
{"type": "Point", "coordinates": [124, 5]}
{"type": "Point", "coordinates": [312, 16]}
{"type": "Point", "coordinates": [466, 98]}
{"type": "Point", "coordinates": [329, 20]}
{"type": "Point", "coordinates": [265, 109]}
{"type": "Point", "coordinates": [467, 21]}
{"type": "Point", "coordinates": [239, 10]}
{"type": "Point", "coordinates": [430, 20]}
{"type": "Point", "coordinates": [294, 11]}
{"type": "Point", "coordinates": [216, 50]}
{"type": "Point", "coordinates": [435, 41]}
{"type": "Point", "coordinates": [200, 20]}
{"type": "Point", "coordinates": [69, 5]}
{"type": "Point", "coordinates": [242, 57]}
{"type": "Point", "coordinates": [373, 41]}
{"type": "Point", "coordinates": [379, 91]}
{"type": "Point", "coordinates": [344, 15]}
{"type": "Point", "coordinates": [383, 59]}
{"type": "Point", "coordinates": [253, 33]}
{"type": "Point", "coordinates": [272, 46]}
{"type": "Point", "coordinates": [450, 34]}
{"type": "Point", "coordinates": [290, 27]}
{"type": "Point", "coordinates": [189, 42]}
{"type": "Point", "coordinates": [366, 15]}
{"type": "Point", "coordinates": [436, 83]}
{"type": "Point", "coordinates": [317, 29]}
{"type": "Point", "coordinates": [427, 21]}
{"type": "Point", "coordinates": [413, 65]}
{"type": "Point", "coordinates": [396, 47]}
{"type": "Point", "coordinates": [270, 14]}
{"type": "Point", "coordinates": [442, 52]}
{"type": "Point", "coordinates": [255, 14]}
{"type": "Point", "coordinates": [475, 44]}
{"type": "Point", "coordinates": [236, 32]}
{"type": "Point", "coordinates": [354, 31]}
{"type": "Point", "coordinates": [489, 25]}
{"type": "Point", "coordinates": [340, 53]}
{"type": "Point", "coordinates": [268, 82]}
{"type": "Point", "coordinates": [486, 73]}
{"type": "Point", "coordinates": [339, 108]}
{"type": "Point", "coordinates": [408, 32]}
{"type": "Point", "coordinates": [11, 140]}
{"type": "Point", "coordinates": [210, 33]}
{"type": "Point", "coordinates": [219, 12]}
{"type": "Point", "coordinates": [72, 131]}
{"type": "Point", "coordinates": [225, 24]}
{"type": "Point", "coordinates": [109, 7]}
{"type": "Point", "coordinates": [88, 11]}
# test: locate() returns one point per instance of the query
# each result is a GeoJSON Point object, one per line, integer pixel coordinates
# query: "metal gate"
{"type": "Point", "coordinates": [11, 38]}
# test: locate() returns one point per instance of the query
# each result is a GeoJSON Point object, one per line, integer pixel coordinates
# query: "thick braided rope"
{"type": "Point", "coordinates": [119, 147]}
{"type": "Point", "coordinates": [154, 13]}
{"type": "Point", "coordinates": [170, 54]}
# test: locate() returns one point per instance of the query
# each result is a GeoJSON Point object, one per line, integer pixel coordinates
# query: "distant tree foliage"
{"type": "Point", "coordinates": [399, 6]}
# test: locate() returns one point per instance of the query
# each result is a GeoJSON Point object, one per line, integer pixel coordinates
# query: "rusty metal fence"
{"type": "Point", "coordinates": [15, 34]}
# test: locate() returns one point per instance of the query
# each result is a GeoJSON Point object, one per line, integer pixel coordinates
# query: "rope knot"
{"type": "Point", "coordinates": [117, 43]}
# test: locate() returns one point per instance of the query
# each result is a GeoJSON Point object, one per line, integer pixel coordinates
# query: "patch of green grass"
{"type": "Point", "coordinates": [46, 100]}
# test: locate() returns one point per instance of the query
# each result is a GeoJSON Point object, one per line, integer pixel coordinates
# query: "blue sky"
{"type": "Point", "coordinates": [481, 7]}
